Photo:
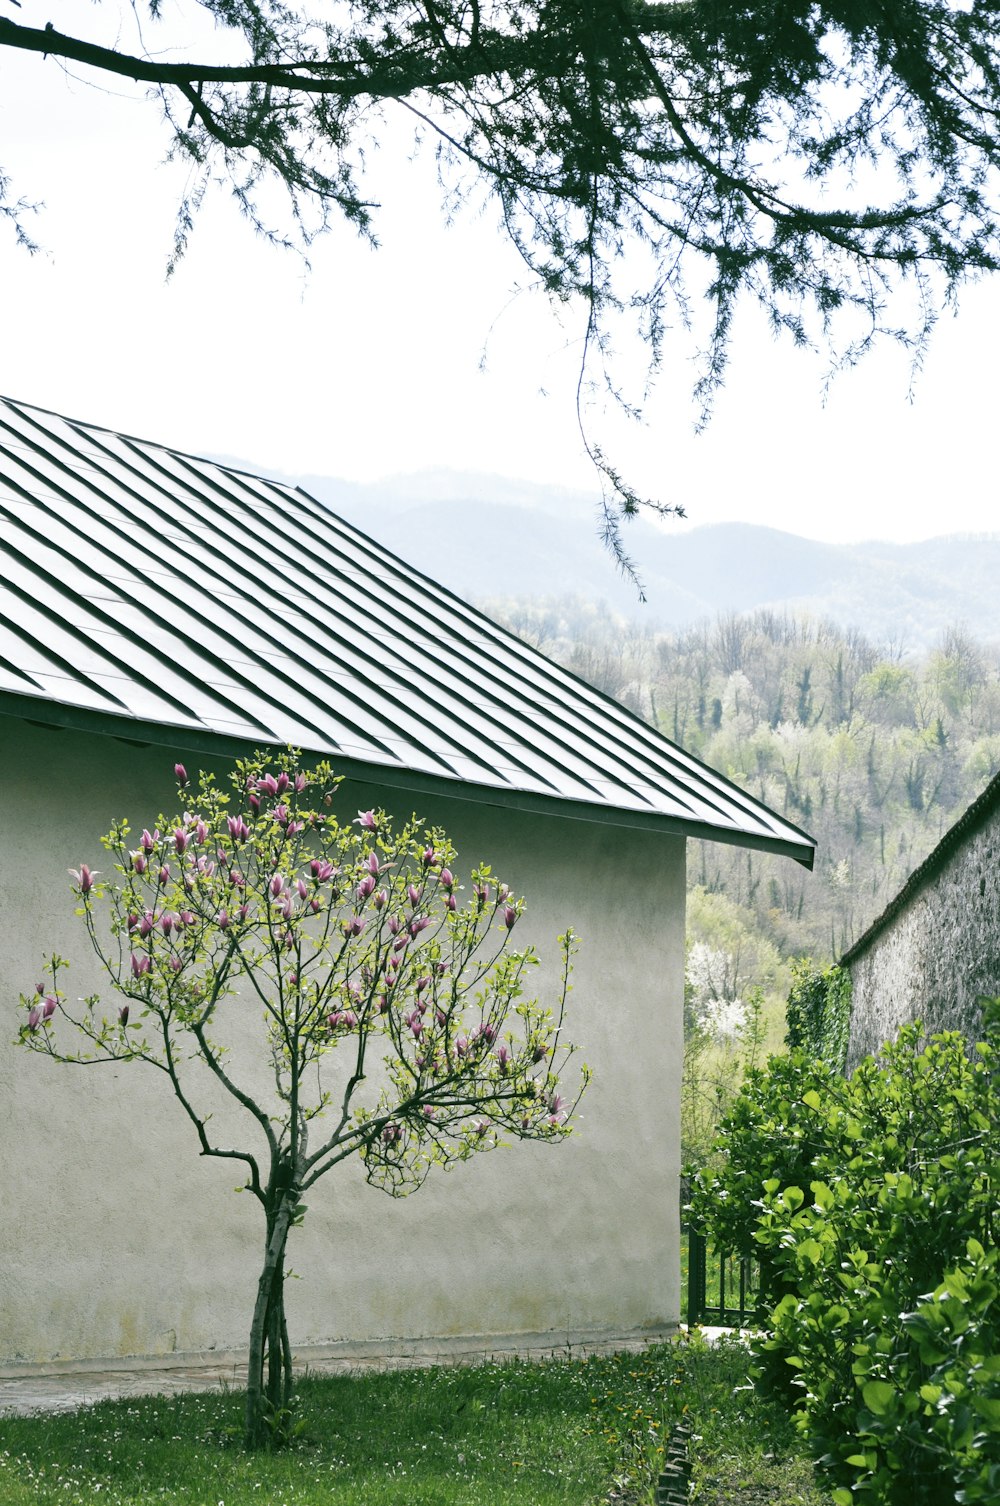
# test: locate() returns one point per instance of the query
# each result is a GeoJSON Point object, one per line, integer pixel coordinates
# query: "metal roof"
{"type": "Point", "coordinates": [155, 595]}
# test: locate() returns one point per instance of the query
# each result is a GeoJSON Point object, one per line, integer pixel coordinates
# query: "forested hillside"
{"type": "Point", "coordinates": [872, 751]}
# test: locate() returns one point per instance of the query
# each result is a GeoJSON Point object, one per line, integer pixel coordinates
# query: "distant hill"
{"type": "Point", "coordinates": [487, 537]}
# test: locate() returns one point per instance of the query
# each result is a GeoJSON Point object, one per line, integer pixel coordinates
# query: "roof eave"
{"type": "Point", "coordinates": [60, 715]}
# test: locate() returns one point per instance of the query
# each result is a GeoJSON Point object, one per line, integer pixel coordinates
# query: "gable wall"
{"type": "Point", "coordinates": [120, 1241]}
{"type": "Point", "coordinates": [938, 955]}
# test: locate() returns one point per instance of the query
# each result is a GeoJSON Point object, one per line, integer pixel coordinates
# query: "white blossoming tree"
{"type": "Point", "coordinates": [394, 1017]}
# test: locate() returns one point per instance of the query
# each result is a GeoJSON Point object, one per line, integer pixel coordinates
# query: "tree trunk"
{"type": "Point", "coordinates": [269, 1375]}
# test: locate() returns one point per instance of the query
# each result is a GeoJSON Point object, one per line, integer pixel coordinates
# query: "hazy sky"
{"type": "Point", "coordinates": [369, 365]}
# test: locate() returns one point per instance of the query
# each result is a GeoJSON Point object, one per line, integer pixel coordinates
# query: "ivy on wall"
{"type": "Point", "coordinates": [818, 1012]}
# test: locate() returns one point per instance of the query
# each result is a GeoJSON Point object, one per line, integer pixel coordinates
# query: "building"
{"type": "Point", "coordinates": [155, 606]}
{"type": "Point", "coordinates": [935, 949]}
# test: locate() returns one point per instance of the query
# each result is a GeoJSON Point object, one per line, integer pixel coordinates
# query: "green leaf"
{"type": "Point", "coordinates": [878, 1396]}
{"type": "Point", "coordinates": [842, 1497]}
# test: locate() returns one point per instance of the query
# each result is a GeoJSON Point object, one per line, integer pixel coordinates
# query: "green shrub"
{"type": "Point", "coordinates": [873, 1206]}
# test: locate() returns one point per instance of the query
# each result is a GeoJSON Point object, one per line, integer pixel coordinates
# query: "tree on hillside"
{"type": "Point", "coordinates": [395, 1027]}
{"type": "Point", "coordinates": [817, 157]}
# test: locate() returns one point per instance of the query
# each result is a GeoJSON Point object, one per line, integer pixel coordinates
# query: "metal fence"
{"type": "Point", "coordinates": [721, 1289]}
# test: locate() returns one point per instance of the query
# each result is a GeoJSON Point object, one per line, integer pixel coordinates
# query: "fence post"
{"type": "Point", "coordinates": [696, 1276]}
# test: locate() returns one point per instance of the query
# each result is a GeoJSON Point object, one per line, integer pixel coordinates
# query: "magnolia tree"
{"type": "Point", "coordinates": [395, 1023]}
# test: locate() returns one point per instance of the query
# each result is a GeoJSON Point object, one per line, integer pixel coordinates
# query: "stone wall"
{"type": "Point", "coordinates": [937, 951]}
{"type": "Point", "coordinates": [119, 1241]}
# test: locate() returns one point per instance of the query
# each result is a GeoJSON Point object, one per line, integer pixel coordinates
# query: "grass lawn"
{"type": "Point", "coordinates": [560, 1433]}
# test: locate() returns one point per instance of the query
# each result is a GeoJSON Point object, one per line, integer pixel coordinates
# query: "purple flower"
{"type": "Point", "coordinates": [34, 1015]}
{"type": "Point", "coordinates": [365, 887]}
{"type": "Point", "coordinates": [123, 1015]}
{"type": "Point", "coordinates": [452, 902]}
{"type": "Point", "coordinates": [254, 803]}
{"type": "Point", "coordinates": [321, 869]}
{"type": "Point", "coordinates": [509, 916]}
{"type": "Point", "coordinates": [238, 829]}
{"type": "Point", "coordinates": [167, 922]}
{"type": "Point", "coordinates": [84, 877]}
{"type": "Point", "coordinates": [482, 893]}
{"type": "Point", "coordinates": [446, 878]}
{"type": "Point", "coordinates": [354, 926]}
{"type": "Point", "coordinates": [181, 839]}
{"type": "Point", "coordinates": [200, 831]}
{"type": "Point", "coordinates": [181, 773]}
{"type": "Point", "coordinates": [277, 885]}
{"type": "Point", "coordinates": [302, 888]}
{"type": "Point", "coordinates": [147, 923]}
{"type": "Point", "coordinates": [427, 856]}
{"type": "Point", "coordinates": [49, 1007]}
{"type": "Point", "coordinates": [392, 1134]}
{"type": "Point", "coordinates": [503, 1059]}
{"type": "Point", "coordinates": [185, 918]}
{"type": "Point", "coordinates": [147, 841]}
{"type": "Point", "coordinates": [140, 964]}
{"type": "Point", "coordinates": [413, 895]}
{"type": "Point", "coordinates": [222, 920]}
{"type": "Point", "coordinates": [164, 874]}
{"type": "Point", "coordinates": [381, 899]}
{"type": "Point", "coordinates": [372, 864]}
{"type": "Point", "coordinates": [367, 820]}
{"type": "Point", "coordinates": [268, 784]}
{"type": "Point", "coordinates": [300, 781]}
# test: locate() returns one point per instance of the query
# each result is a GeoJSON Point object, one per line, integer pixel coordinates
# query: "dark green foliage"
{"type": "Point", "coordinates": [873, 1206]}
{"type": "Point", "coordinates": [818, 1013]}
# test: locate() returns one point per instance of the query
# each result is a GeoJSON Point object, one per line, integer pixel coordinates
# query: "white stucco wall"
{"type": "Point", "coordinates": [936, 958]}
{"type": "Point", "coordinates": [119, 1241]}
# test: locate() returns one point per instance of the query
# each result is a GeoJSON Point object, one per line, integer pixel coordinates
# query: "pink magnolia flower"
{"type": "Point", "coordinates": [186, 918]}
{"type": "Point", "coordinates": [287, 906]}
{"type": "Point", "coordinates": [282, 782]}
{"type": "Point", "coordinates": [354, 926]}
{"type": "Point", "coordinates": [365, 887]}
{"type": "Point", "coordinates": [243, 911]}
{"type": "Point", "coordinates": [302, 888]}
{"type": "Point", "coordinates": [294, 827]}
{"type": "Point", "coordinates": [321, 869]}
{"type": "Point", "coordinates": [452, 902]}
{"type": "Point", "coordinates": [509, 916]}
{"type": "Point", "coordinates": [254, 803]}
{"type": "Point", "coordinates": [200, 831]}
{"type": "Point", "coordinates": [49, 1007]}
{"type": "Point", "coordinates": [381, 899]}
{"type": "Point", "coordinates": [419, 923]}
{"type": "Point", "coordinates": [441, 1017]}
{"type": "Point", "coordinates": [181, 839]}
{"type": "Point", "coordinates": [277, 884]}
{"type": "Point", "coordinates": [181, 773]}
{"type": "Point", "coordinates": [415, 1022]}
{"type": "Point", "coordinates": [131, 921]}
{"type": "Point", "coordinates": [429, 1111]}
{"type": "Point", "coordinates": [392, 1134]}
{"type": "Point", "coordinates": [147, 923]}
{"type": "Point", "coordinates": [393, 925]}
{"type": "Point", "coordinates": [84, 877]}
{"type": "Point", "coordinates": [148, 840]}
{"type": "Point", "coordinates": [367, 820]}
{"type": "Point", "coordinates": [462, 1045]}
{"type": "Point", "coordinates": [164, 874]}
{"type": "Point", "coordinates": [482, 893]}
{"type": "Point", "coordinates": [315, 906]}
{"type": "Point", "coordinates": [238, 829]}
{"type": "Point", "coordinates": [34, 1015]}
{"type": "Point", "coordinates": [299, 783]}
{"type": "Point", "coordinates": [413, 895]}
{"type": "Point", "coordinates": [123, 1015]}
{"type": "Point", "coordinates": [167, 922]}
{"type": "Point", "coordinates": [503, 1058]}
{"type": "Point", "coordinates": [400, 942]}
{"type": "Point", "coordinates": [222, 920]}
{"type": "Point", "coordinates": [446, 879]}
{"type": "Point", "coordinates": [140, 964]}
{"type": "Point", "coordinates": [481, 1127]}
{"type": "Point", "coordinates": [268, 784]}
{"type": "Point", "coordinates": [280, 814]}
{"type": "Point", "coordinates": [372, 864]}
{"type": "Point", "coordinates": [139, 862]}
{"type": "Point", "coordinates": [348, 1019]}
{"type": "Point", "coordinates": [427, 856]}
